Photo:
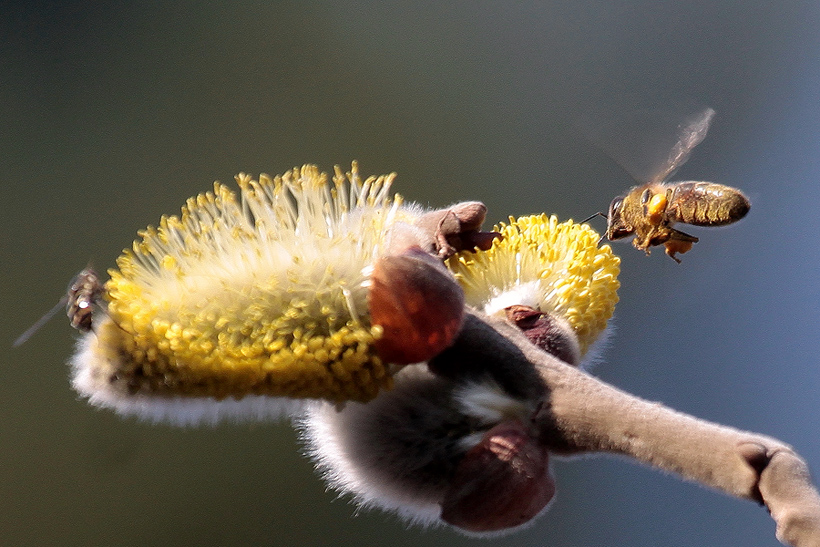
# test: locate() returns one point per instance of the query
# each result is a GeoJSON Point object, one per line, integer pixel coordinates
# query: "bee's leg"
{"type": "Point", "coordinates": [673, 247]}
{"type": "Point", "coordinates": [655, 209]}
{"type": "Point", "coordinates": [639, 242]}
{"type": "Point", "coordinates": [681, 236]}
{"type": "Point", "coordinates": [678, 242]}
{"type": "Point", "coordinates": [643, 242]}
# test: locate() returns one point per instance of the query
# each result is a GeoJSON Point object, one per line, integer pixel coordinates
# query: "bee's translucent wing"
{"type": "Point", "coordinates": [650, 144]}
{"type": "Point", "coordinates": [40, 322]}
{"type": "Point", "coordinates": [691, 133]}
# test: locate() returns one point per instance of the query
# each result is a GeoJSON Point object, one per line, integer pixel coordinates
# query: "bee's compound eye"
{"type": "Point", "coordinates": [616, 227]}
{"type": "Point", "coordinates": [615, 208]}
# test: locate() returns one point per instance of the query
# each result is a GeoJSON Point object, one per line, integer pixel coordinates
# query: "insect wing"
{"type": "Point", "coordinates": [691, 134]}
{"type": "Point", "coordinates": [40, 322]}
{"type": "Point", "coordinates": [649, 144]}
{"type": "Point", "coordinates": [84, 292]}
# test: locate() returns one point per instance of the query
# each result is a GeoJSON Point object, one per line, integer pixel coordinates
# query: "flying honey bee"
{"type": "Point", "coordinates": [649, 211]}
{"type": "Point", "coordinates": [83, 295]}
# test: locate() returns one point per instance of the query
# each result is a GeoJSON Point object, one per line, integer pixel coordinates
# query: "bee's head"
{"type": "Point", "coordinates": [616, 227]}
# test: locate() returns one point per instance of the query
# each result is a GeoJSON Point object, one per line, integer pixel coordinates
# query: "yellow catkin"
{"type": "Point", "coordinates": [575, 278]}
{"type": "Point", "coordinates": [252, 293]}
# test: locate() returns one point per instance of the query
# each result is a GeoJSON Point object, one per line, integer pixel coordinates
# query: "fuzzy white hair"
{"type": "Point", "coordinates": [397, 452]}
{"type": "Point", "coordinates": [172, 409]}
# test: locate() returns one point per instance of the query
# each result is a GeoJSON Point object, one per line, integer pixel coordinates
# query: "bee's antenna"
{"type": "Point", "coordinates": [598, 214]}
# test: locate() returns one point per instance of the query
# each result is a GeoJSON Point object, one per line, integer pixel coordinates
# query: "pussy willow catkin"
{"type": "Point", "coordinates": [257, 294]}
{"type": "Point", "coordinates": [555, 267]}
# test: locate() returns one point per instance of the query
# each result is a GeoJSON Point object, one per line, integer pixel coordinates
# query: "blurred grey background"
{"type": "Point", "coordinates": [112, 113]}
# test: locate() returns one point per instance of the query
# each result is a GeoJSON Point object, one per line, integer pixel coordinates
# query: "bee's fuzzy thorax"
{"type": "Point", "coordinates": [263, 293]}
{"type": "Point", "coordinates": [554, 267]}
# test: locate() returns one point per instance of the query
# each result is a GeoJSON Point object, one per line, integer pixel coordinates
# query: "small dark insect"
{"type": "Point", "coordinates": [648, 211]}
{"type": "Point", "coordinates": [83, 294]}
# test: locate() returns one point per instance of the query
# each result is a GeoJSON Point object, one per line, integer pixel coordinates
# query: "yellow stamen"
{"type": "Point", "coordinates": [571, 275]}
{"type": "Point", "coordinates": [261, 293]}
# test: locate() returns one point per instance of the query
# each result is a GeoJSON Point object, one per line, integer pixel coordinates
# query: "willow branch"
{"type": "Point", "coordinates": [581, 414]}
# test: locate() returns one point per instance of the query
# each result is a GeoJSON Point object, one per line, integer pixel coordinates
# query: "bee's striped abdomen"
{"type": "Point", "coordinates": [706, 204]}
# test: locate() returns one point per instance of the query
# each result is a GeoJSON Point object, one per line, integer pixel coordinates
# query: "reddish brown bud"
{"type": "Point", "coordinates": [546, 331]}
{"type": "Point", "coordinates": [502, 482]}
{"type": "Point", "coordinates": [456, 228]}
{"type": "Point", "coordinates": [479, 240]}
{"type": "Point", "coordinates": [417, 303]}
